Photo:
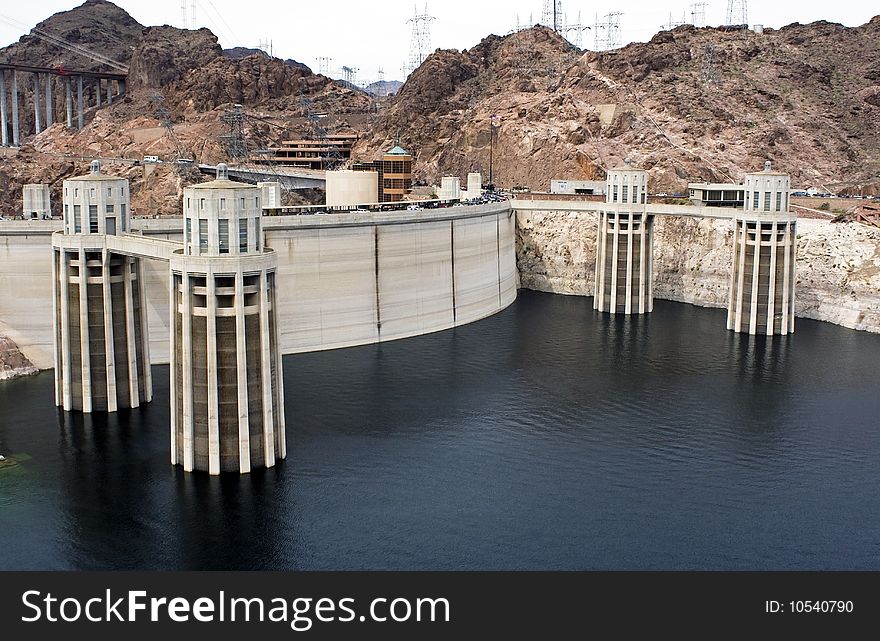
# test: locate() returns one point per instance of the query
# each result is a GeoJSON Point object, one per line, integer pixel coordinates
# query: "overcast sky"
{"type": "Point", "coordinates": [370, 35]}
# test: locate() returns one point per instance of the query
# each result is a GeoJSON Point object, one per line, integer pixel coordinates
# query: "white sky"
{"type": "Point", "coordinates": [369, 35]}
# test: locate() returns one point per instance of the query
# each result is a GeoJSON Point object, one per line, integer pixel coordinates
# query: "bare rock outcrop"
{"type": "Point", "coordinates": [12, 362]}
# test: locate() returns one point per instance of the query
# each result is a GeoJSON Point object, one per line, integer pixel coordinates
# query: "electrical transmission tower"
{"type": "Point", "coordinates": [672, 24]}
{"type": "Point", "coordinates": [737, 12]}
{"type": "Point", "coordinates": [577, 29]}
{"type": "Point", "coordinates": [610, 28]}
{"type": "Point", "coordinates": [420, 40]}
{"type": "Point", "coordinates": [698, 14]}
{"type": "Point", "coordinates": [349, 75]}
{"type": "Point", "coordinates": [324, 65]}
{"type": "Point", "coordinates": [233, 141]}
{"type": "Point", "coordinates": [266, 46]}
{"type": "Point", "coordinates": [551, 16]}
{"type": "Point", "coordinates": [183, 17]}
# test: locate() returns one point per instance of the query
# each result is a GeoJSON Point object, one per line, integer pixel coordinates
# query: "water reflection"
{"type": "Point", "coordinates": [548, 436]}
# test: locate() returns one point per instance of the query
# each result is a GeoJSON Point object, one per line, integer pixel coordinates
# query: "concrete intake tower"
{"type": "Point", "coordinates": [227, 398]}
{"type": "Point", "coordinates": [624, 245]}
{"type": "Point", "coordinates": [763, 273]}
{"type": "Point", "coordinates": [102, 359]}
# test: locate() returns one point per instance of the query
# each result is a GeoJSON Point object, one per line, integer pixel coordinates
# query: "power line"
{"type": "Point", "coordinates": [64, 44]}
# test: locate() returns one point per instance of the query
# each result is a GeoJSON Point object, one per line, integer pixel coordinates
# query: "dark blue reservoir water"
{"type": "Point", "coordinates": [547, 436]}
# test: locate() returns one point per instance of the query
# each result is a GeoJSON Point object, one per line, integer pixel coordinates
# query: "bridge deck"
{"type": "Point", "coordinates": [61, 71]}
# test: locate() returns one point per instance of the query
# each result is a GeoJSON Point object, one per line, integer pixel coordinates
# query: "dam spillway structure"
{"type": "Point", "coordinates": [762, 279]}
{"type": "Point", "coordinates": [624, 245]}
{"type": "Point", "coordinates": [227, 398]}
{"type": "Point", "coordinates": [101, 345]}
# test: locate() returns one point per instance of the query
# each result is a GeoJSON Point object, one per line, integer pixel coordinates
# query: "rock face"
{"type": "Point", "coordinates": [97, 25]}
{"type": "Point", "coordinates": [179, 87]}
{"type": "Point", "coordinates": [691, 104]}
{"type": "Point", "coordinates": [12, 363]}
{"type": "Point", "coordinates": [838, 264]}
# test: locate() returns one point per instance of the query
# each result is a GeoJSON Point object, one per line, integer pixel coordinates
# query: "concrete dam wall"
{"type": "Point", "coordinates": [343, 279]}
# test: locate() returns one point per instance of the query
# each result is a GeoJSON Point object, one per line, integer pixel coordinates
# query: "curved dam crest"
{"type": "Point", "coordinates": [551, 248]}
{"type": "Point", "coordinates": [344, 279]}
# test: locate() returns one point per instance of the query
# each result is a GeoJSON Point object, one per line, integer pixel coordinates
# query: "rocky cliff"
{"type": "Point", "coordinates": [180, 85]}
{"type": "Point", "coordinates": [690, 104]}
{"type": "Point", "coordinates": [838, 264]}
{"type": "Point", "coordinates": [12, 362]}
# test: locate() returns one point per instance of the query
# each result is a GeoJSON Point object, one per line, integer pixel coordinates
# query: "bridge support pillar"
{"type": "Point", "coordinates": [101, 338]}
{"type": "Point", "coordinates": [80, 105]}
{"type": "Point", "coordinates": [68, 102]}
{"type": "Point", "coordinates": [109, 91]}
{"type": "Point", "coordinates": [120, 85]}
{"type": "Point", "coordinates": [37, 109]}
{"type": "Point", "coordinates": [4, 116]}
{"type": "Point", "coordinates": [50, 102]}
{"type": "Point", "coordinates": [16, 131]}
{"type": "Point", "coordinates": [96, 87]}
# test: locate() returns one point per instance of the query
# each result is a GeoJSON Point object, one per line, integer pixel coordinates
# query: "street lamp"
{"type": "Point", "coordinates": [493, 124]}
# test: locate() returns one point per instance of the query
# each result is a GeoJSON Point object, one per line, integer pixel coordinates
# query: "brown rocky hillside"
{"type": "Point", "coordinates": [690, 104]}
{"type": "Point", "coordinates": [177, 77]}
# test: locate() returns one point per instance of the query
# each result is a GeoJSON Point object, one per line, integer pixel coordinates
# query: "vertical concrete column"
{"type": "Point", "coordinates": [109, 348]}
{"type": "Point", "coordinates": [601, 257]}
{"type": "Point", "coordinates": [790, 267]}
{"type": "Point", "coordinates": [121, 87]}
{"type": "Point", "coordinates": [64, 268]}
{"type": "Point", "coordinates": [50, 102]}
{"type": "Point", "coordinates": [279, 388]}
{"type": "Point", "coordinates": [56, 319]}
{"type": "Point", "coordinates": [84, 332]}
{"type": "Point", "coordinates": [4, 117]}
{"type": "Point", "coordinates": [756, 273]}
{"type": "Point", "coordinates": [145, 334]}
{"type": "Point", "coordinates": [265, 354]}
{"type": "Point", "coordinates": [109, 91]}
{"type": "Point", "coordinates": [188, 429]}
{"type": "Point", "coordinates": [131, 343]}
{"type": "Point", "coordinates": [16, 131]}
{"type": "Point", "coordinates": [174, 384]}
{"type": "Point", "coordinates": [612, 306]}
{"type": "Point", "coordinates": [643, 285]}
{"type": "Point", "coordinates": [649, 221]}
{"type": "Point", "coordinates": [771, 294]}
{"type": "Point", "coordinates": [244, 439]}
{"type": "Point", "coordinates": [81, 120]}
{"type": "Point", "coordinates": [213, 401]}
{"type": "Point", "coordinates": [69, 103]}
{"type": "Point", "coordinates": [627, 304]}
{"type": "Point", "coordinates": [731, 296]}
{"type": "Point", "coordinates": [37, 109]}
{"type": "Point", "coordinates": [96, 86]}
{"type": "Point", "coordinates": [740, 286]}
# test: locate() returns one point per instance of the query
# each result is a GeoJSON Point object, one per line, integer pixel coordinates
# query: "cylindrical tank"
{"type": "Point", "coordinates": [346, 188]}
{"type": "Point", "coordinates": [624, 245]}
{"type": "Point", "coordinates": [102, 360]}
{"type": "Point", "coordinates": [227, 409]}
{"type": "Point", "coordinates": [762, 280]}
